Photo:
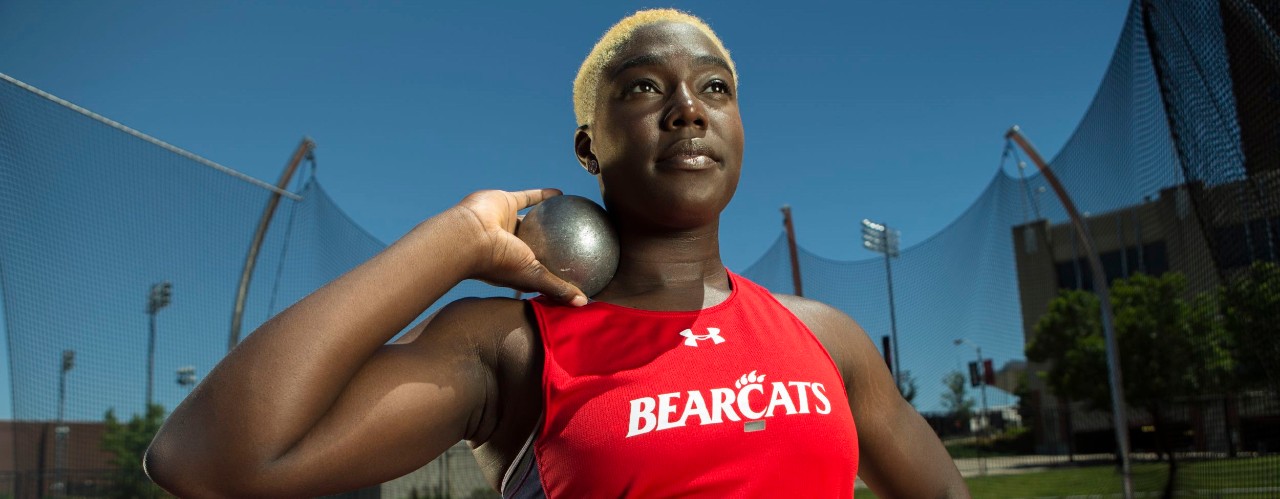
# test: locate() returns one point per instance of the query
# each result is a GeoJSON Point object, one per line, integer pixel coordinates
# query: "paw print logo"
{"type": "Point", "coordinates": [748, 379]}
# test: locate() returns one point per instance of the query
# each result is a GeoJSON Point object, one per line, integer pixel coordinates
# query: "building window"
{"type": "Point", "coordinates": [1152, 259]}
{"type": "Point", "coordinates": [1242, 244]}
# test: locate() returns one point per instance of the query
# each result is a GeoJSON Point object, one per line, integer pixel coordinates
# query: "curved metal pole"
{"type": "Point", "coordinates": [242, 291]}
{"type": "Point", "coordinates": [1100, 285]}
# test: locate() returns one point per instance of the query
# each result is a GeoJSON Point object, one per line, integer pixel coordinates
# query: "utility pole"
{"type": "Point", "coordinates": [982, 382]}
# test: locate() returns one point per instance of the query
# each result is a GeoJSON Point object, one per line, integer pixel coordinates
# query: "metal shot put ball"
{"type": "Point", "coordinates": [572, 237]}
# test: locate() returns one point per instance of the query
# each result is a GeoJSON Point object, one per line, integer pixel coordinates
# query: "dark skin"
{"type": "Point", "coordinates": [315, 402]}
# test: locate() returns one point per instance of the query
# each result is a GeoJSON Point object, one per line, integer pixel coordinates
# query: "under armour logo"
{"type": "Point", "coordinates": [691, 339]}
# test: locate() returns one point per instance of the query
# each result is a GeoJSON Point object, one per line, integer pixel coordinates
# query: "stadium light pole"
{"type": "Point", "coordinates": [880, 238]}
{"type": "Point", "coordinates": [186, 376]}
{"type": "Point", "coordinates": [61, 431]}
{"type": "Point", "coordinates": [1100, 285]}
{"type": "Point", "coordinates": [161, 294]}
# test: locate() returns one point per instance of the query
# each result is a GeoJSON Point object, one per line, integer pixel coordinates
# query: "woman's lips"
{"type": "Point", "coordinates": [688, 162]}
{"type": "Point", "coordinates": [689, 155]}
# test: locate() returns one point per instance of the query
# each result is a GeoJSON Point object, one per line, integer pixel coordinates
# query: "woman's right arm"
{"type": "Point", "coordinates": [316, 402]}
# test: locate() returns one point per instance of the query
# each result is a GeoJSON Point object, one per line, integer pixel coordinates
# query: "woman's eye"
{"type": "Point", "coordinates": [640, 87]}
{"type": "Point", "coordinates": [718, 86]}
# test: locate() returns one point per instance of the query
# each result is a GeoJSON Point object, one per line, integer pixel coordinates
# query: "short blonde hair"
{"type": "Point", "coordinates": [587, 83]}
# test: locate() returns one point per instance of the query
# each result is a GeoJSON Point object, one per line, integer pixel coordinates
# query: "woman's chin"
{"type": "Point", "coordinates": [688, 215]}
{"type": "Point", "coordinates": [682, 207]}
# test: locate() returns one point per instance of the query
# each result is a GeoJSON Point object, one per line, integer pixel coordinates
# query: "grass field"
{"type": "Point", "coordinates": [1257, 477]}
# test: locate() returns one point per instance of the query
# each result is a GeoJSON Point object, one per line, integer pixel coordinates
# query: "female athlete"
{"type": "Point", "coordinates": [679, 378]}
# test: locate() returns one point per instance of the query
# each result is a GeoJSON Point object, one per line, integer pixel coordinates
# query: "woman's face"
{"type": "Point", "coordinates": [666, 131]}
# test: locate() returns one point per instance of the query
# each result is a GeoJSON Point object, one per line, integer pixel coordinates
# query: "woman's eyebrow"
{"type": "Point", "coordinates": [658, 60]}
{"type": "Point", "coordinates": [639, 61]}
{"type": "Point", "coordinates": [711, 60]}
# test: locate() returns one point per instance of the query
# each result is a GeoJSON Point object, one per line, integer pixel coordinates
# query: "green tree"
{"type": "Point", "coordinates": [1028, 409]}
{"type": "Point", "coordinates": [908, 387]}
{"type": "Point", "coordinates": [1069, 338]}
{"type": "Point", "coordinates": [1169, 349]}
{"type": "Point", "coordinates": [1250, 307]}
{"type": "Point", "coordinates": [127, 442]}
{"type": "Point", "coordinates": [955, 399]}
{"type": "Point", "coordinates": [1170, 346]}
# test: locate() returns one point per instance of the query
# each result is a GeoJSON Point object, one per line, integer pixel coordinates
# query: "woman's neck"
{"type": "Point", "coordinates": [669, 270]}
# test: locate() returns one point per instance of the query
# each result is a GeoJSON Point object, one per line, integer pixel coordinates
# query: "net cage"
{"type": "Point", "coordinates": [1174, 167]}
{"type": "Point", "coordinates": [109, 238]}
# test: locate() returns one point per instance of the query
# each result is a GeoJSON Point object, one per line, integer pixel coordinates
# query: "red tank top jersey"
{"type": "Point", "coordinates": [736, 400]}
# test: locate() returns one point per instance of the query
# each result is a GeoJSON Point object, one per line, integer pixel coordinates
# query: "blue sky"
{"type": "Point", "coordinates": [880, 110]}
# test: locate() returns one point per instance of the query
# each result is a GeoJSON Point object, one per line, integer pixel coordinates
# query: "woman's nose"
{"type": "Point", "coordinates": [685, 111]}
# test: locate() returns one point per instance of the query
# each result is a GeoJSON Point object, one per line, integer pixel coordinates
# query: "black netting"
{"type": "Point", "coordinates": [1175, 166]}
{"type": "Point", "coordinates": [93, 217]}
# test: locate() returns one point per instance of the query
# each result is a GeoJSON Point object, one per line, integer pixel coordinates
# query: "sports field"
{"type": "Point", "coordinates": [1235, 478]}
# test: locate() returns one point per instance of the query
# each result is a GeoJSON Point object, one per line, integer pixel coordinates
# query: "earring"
{"type": "Point", "coordinates": [593, 167]}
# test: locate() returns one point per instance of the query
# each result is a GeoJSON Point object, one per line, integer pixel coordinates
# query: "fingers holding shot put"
{"type": "Point", "coordinates": [520, 262]}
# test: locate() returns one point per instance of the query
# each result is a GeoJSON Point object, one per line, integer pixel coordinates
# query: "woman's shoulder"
{"type": "Point", "coordinates": [492, 314]}
{"type": "Point", "coordinates": [496, 307]}
{"type": "Point", "coordinates": [484, 322]}
{"type": "Point", "coordinates": [838, 333]}
{"type": "Point", "coordinates": [815, 313]}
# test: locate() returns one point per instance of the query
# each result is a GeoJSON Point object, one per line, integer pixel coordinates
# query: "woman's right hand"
{"type": "Point", "coordinates": [502, 258]}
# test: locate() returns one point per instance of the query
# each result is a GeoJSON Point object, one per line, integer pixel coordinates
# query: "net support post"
{"type": "Point", "coordinates": [251, 259]}
{"type": "Point", "coordinates": [1115, 378]}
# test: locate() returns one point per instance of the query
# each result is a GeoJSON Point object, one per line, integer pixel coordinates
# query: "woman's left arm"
{"type": "Point", "coordinates": [899, 454]}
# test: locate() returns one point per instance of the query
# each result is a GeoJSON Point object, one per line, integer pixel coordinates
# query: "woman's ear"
{"type": "Point", "coordinates": [582, 149]}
